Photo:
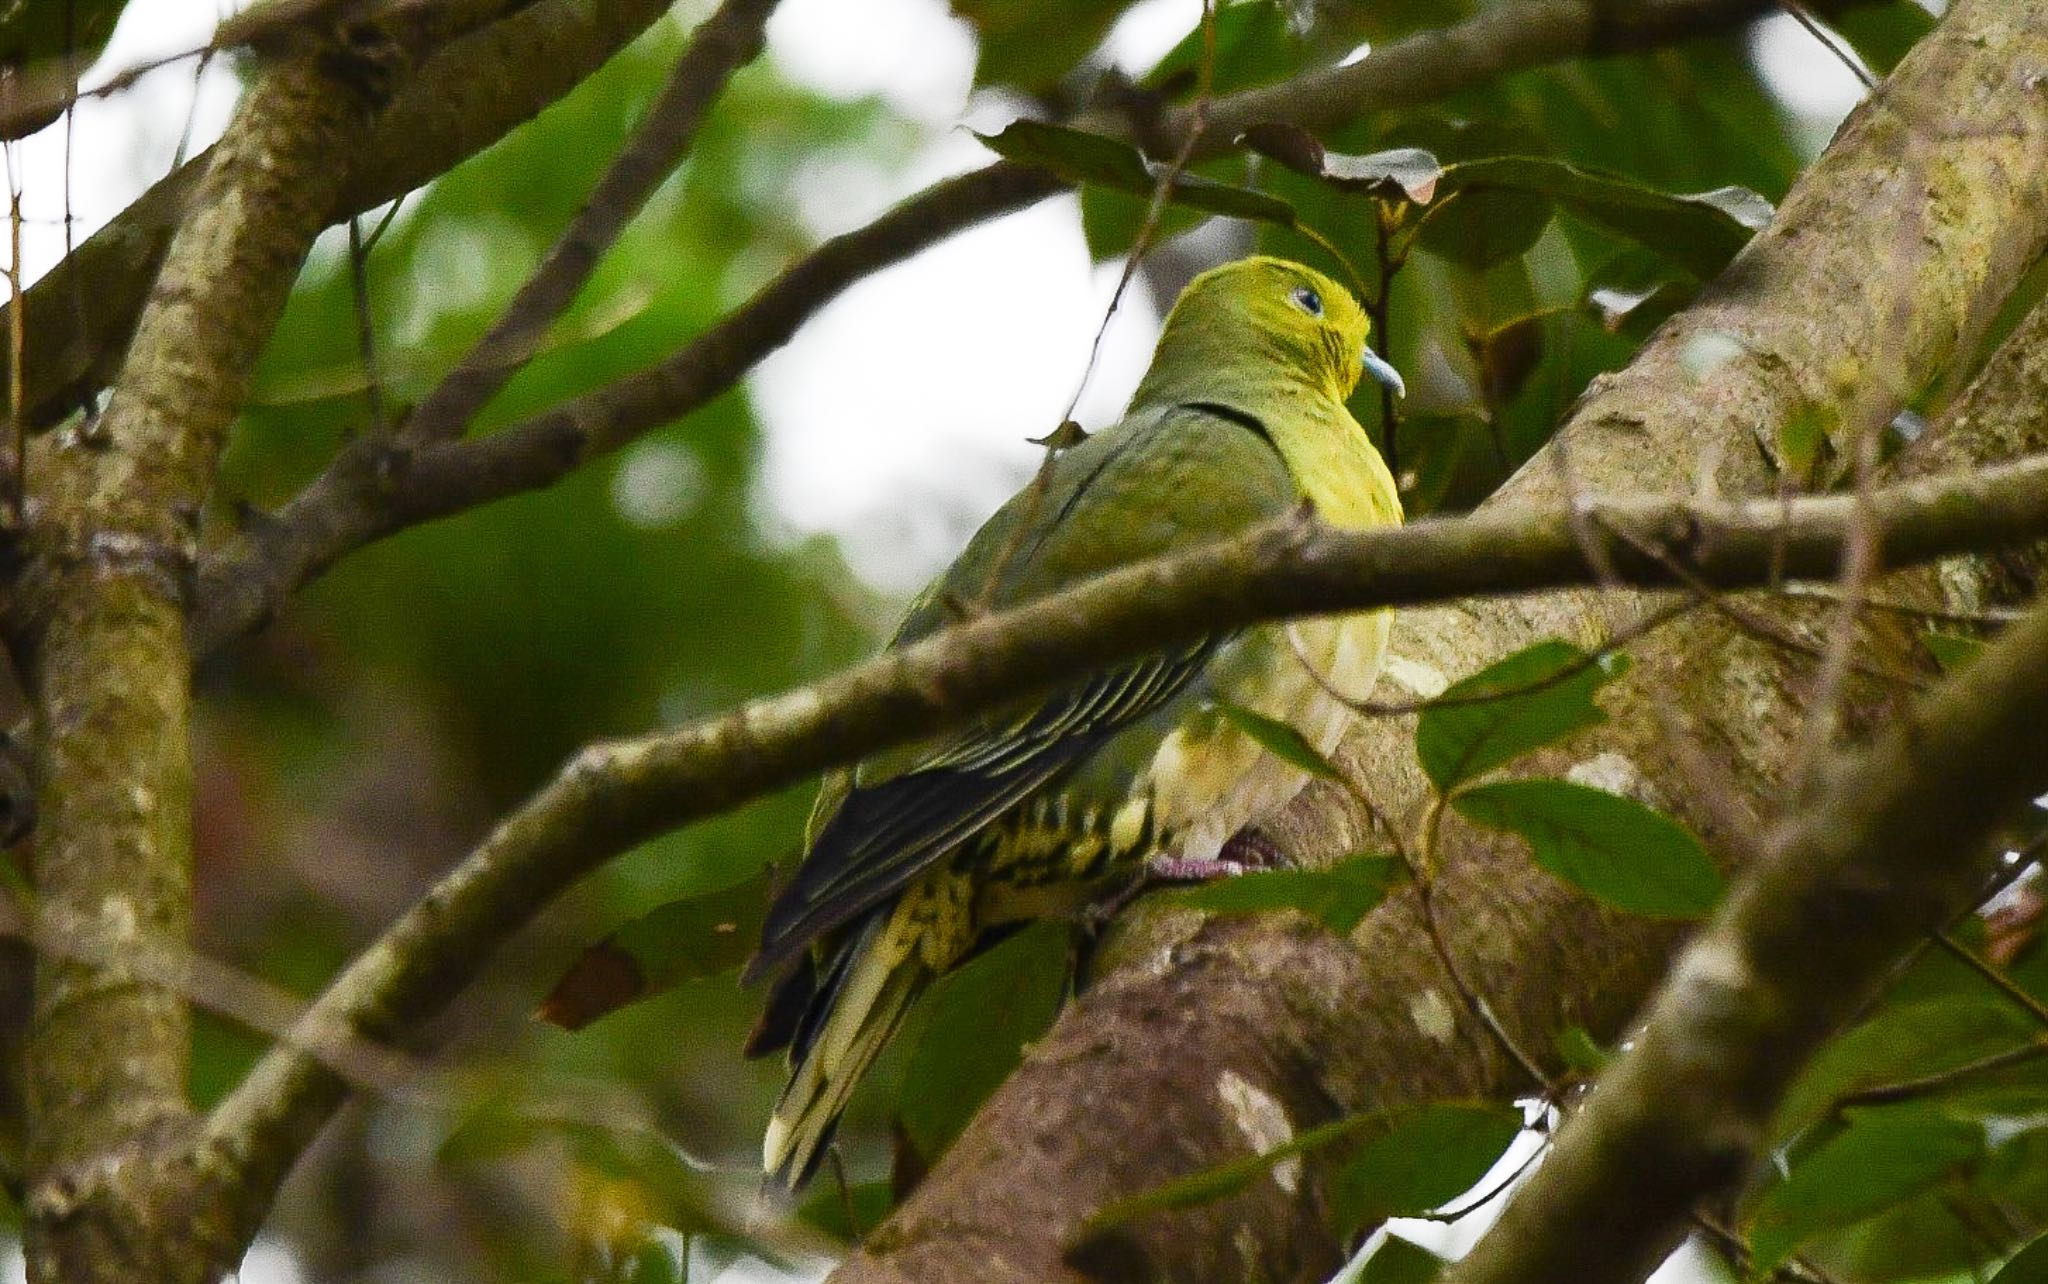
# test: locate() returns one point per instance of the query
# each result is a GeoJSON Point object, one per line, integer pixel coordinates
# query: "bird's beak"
{"type": "Point", "coordinates": [1382, 371]}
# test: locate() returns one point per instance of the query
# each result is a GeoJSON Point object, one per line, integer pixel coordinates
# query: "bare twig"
{"type": "Point", "coordinates": [1757, 626]}
{"type": "Point", "coordinates": [367, 492]}
{"type": "Point", "coordinates": [1831, 42]}
{"type": "Point", "coordinates": [103, 617]}
{"type": "Point", "coordinates": [2015, 868]}
{"type": "Point", "coordinates": [1064, 433]}
{"type": "Point", "coordinates": [1381, 308]}
{"type": "Point", "coordinates": [1887, 1094]}
{"type": "Point", "coordinates": [1838, 655]}
{"type": "Point", "coordinates": [1735, 1248]}
{"type": "Point", "coordinates": [361, 499]}
{"type": "Point", "coordinates": [366, 328]}
{"type": "Point", "coordinates": [17, 344]}
{"type": "Point", "coordinates": [223, 990]}
{"type": "Point", "coordinates": [1155, 206]}
{"type": "Point", "coordinates": [1993, 976]}
{"type": "Point", "coordinates": [1475, 1002]}
{"type": "Point", "coordinates": [465, 98]}
{"type": "Point", "coordinates": [1033, 1155]}
{"type": "Point", "coordinates": [1989, 617]}
{"type": "Point", "coordinates": [720, 46]}
{"type": "Point", "coordinates": [1458, 1212]}
{"type": "Point", "coordinates": [1615, 643]}
{"type": "Point", "coordinates": [262, 25]}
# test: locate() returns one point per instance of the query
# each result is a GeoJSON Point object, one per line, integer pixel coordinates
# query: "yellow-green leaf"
{"type": "Point", "coordinates": [1280, 740]}
{"type": "Point", "coordinates": [1339, 896]}
{"type": "Point", "coordinates": [1617, 850]}
{"type": "Point", "coordinates": [982, 1015]}
{"type": "Point", "coordinates": [683, 940]}
{"type": "Point", "coordinates": [1537, 696]}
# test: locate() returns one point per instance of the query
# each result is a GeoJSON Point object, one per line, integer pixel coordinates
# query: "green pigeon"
{"type": "Point", "coordinates": [917, 855]}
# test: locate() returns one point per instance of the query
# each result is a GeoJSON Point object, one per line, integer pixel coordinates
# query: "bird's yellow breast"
{"type": "Point", "coordinates": [1209, 779]}
{"type": "Point", "coordinates": [1341, 474]}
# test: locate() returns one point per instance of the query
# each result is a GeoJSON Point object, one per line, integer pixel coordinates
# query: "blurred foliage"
{"type": "Point", "coordinates": [353, 750]}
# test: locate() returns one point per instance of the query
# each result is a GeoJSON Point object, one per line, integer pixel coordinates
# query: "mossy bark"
{"type": "Point", "coordinates": [99, 626]}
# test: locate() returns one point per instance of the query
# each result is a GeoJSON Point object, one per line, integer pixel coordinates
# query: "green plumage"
{"type": "Point", "coordinates": [1038, 810]}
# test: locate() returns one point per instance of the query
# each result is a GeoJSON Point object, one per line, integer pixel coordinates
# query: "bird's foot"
{"type": "Point", "coordinates": [1154, 871]}
{"type": "Point", "coordinates": [1245, 851]}
{"type": "Point", "coordinates": [1252, 849]}
{"type": "Point", "coordinates": [1181, 869]}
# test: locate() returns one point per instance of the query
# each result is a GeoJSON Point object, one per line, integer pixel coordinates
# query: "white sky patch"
{"type": "Point", "coordinates": [897, 418]}
{"type": "Point", "coordinates": [122, 143]}
{"type": "Point", "coordinates": [913, 54]}
{"type": "Point", "coordinates": [1147, 30]}
{"type": "Point", "coordinates": [1807, 77]}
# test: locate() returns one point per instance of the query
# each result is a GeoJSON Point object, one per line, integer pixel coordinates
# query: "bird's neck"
{"type": "Point", "coordinates": [1326, 450]}
{"type": "Point", "coordinates": [1223, 382]}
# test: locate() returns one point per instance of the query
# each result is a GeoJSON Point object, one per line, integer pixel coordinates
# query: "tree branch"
{"type": "Point", "coordinates": [466, 97]}
{"type": "Point", "coordinates": [614, 796]}
{"type": "Point", "coordinates": [1491, 44]}
{"type": "Point", "coordinates": [720, 46]}
{"type": "Point", "coordinates": [374, 488]}
{"type": "Point", "coordinates": [369, 492]}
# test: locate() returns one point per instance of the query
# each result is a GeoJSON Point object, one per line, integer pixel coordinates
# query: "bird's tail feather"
{"type": "Point", "coordinates": [853, 1015]}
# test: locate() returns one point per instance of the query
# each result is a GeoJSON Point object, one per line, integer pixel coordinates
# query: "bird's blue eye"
{"type": "Point", "coordinates": [1307, 300]}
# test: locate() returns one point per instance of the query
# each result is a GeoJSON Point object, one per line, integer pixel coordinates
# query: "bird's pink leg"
{"type": "Point", "coordinates": [1180, 869]}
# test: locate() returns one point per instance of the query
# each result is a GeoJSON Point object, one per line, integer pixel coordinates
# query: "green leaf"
{"type": "Point", "coordinates": [2028, 1266]}
{"type": "Point", "coordinates": [1537, 696]}
{"type": "Point", "coordinates": [1882, 1158]}
{"type": "Point", "coordinates": [1700, 231]}
{"type": "Point", "coordinates": [1478, 227]}
{"type": "Point", "coordinates": [1405, 173]}
{"type": "Point", "coordinates": [847, 1216]}
{"type": "Point", "coordinates": [1429, 1157]}
{"type": "Point", "coordinates": [1253, 47]}
{"type": "Point", "coordinates": [1221, 1181]}
{"type": "Point", "coordinates": [1396, 1261]}
{"type": "Point", "coordinates": [1617, 850]}
{"type": "Point", "coordinates": [1942, 1232]}
{"type": "Point", "coordinates": [683, 940]}
{"type": "Point", "coordinates": [1882, 33]}
{"type": "Point", "coordinates": [1280, 740]}
{"type": "Point", "coordinates": [1902, 1041]}
{"type": "Point", "coordinates": [1581, 1051]}
{"type": "Point", "coordinates": [1339, 896]}
{"type": "Point", "coordinates": [1082, 157]}
{"type": "Point", "coordinates": [982, 1016]}
{"type": "Point", "coordinates": [1950, 650]}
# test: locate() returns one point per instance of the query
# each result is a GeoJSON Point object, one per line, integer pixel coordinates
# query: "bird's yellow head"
{"type": "Point", "coordinates": [1269, 310]}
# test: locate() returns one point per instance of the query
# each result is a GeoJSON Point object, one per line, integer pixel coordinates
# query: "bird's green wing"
{"type": "Point", "coordinates": [1164, 480]}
